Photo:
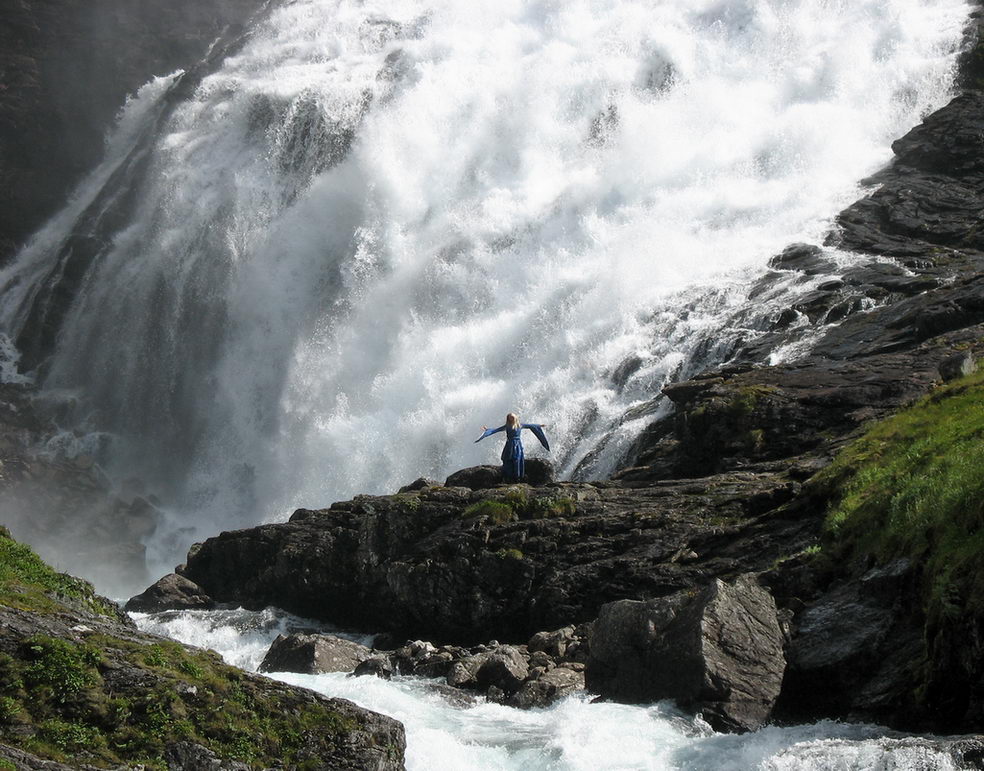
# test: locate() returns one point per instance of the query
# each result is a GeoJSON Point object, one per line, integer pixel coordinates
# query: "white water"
{"type": "Point", "coordinates": [573, 735]}
{"type": "Point", "coordinates": [534, 192]}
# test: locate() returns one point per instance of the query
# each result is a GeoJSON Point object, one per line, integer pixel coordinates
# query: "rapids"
{"type": "Point", "coordinates": [573, 735]}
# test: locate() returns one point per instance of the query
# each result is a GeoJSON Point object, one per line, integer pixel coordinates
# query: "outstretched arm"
{"type": "Point", "coordinates": [537, 430]}
{"type": "Point", "coordinates": [489, 432]}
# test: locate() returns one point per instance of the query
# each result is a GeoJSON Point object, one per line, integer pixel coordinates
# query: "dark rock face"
{"type": "Point", "coordinates": [451, 564]}
{"type": "Point", "coordinates": [67, 69]}
{"type": "Point", "coordinates": [853, 649]}
{"type": "Point", "coordinates": [313, 654]}
{"type": "Point", "coordinates": [172, 592]}
{"type": "Point", "coordinates": [720, 653]}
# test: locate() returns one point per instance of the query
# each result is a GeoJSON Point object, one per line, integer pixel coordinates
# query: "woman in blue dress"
{"type": "Point", "coordinates": [513, 462]}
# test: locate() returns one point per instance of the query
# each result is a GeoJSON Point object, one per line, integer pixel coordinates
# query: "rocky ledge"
{"type": "Point", "coordinates": [81, 687]}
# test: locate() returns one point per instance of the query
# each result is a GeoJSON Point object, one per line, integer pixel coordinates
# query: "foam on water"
{"type": "Point", "coordinates": [573, 735]}
{"type": "Point", "coordinates": [379, 226]}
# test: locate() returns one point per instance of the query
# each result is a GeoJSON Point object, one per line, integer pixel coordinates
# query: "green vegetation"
{"type": "Point", "coordinates": [27, 583]}
{"type": "Point", "coordinates": [913, 486]}
{"type": "Point", "coordinates": [499, 512]}
{"type": "Point", "coordinates": [107, 701]}
{"type": "Point", "coordinates": [509, 554]}
{"type": "Point", "coordinates": [517, 504]}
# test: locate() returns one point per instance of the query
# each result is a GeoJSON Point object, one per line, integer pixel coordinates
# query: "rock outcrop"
{"type": "Point", "coordinates": [80, 686]}
{"type": "Point", "coordinates": [457, 565]}
{"type": "Point", "coordinates": [172, 592]}
{"type": "Point", "coordinates": [719, 653]}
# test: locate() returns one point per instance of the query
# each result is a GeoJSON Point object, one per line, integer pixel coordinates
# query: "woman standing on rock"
{"type": "Point", "coordinates": [513, 462]}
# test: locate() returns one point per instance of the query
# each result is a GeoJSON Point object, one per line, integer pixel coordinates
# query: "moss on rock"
{"type": "Point", "coordinates": [108, 695]}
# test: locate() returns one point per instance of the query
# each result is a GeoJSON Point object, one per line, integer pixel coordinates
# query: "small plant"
{"type": "Point", "coordinates": [509, 554]}
{"type": "Point", "coordinates": [69, 737]}
{"type": "Point", "coordinates": [9, 709]}
{"type": "Point", "coordinates": [59, 667]}
{"type": "Point", "coordinates": [542, 508]}
{"type": "Point", "coordinates": [498, 512]}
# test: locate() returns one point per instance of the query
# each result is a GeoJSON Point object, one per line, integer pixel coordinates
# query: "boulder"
{"type": "Point", "coordinates": [505, 668]}
{"type": "Point", "coordinates": [539, 471]}
{"type": "Point", "coordinates": [378, 666]}
{"type": "Point", "coordinates": [475, 477]}
{"type": "Point", "coordinates": [805, 258]}
{"type": "Point", "coordinates": [172, 592]}
{"type": "Point", "coordinates": [312, 654]}
{"type": "Point", "coordinates": [419, 483]}
{"type": "Point", "coordinates": [957, 365]}
{"type": "Point", "coordinates": [552, 643]}
{"type": "Point", "coordinates": [719, 652]}
{"type": "Point", "coordinates": [548, 687]}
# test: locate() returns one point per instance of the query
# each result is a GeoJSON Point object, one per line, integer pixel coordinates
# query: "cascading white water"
{"type": "Point", "coordinates": [573, 735]}
{"type": "Point", "coordinates": [379, 226]}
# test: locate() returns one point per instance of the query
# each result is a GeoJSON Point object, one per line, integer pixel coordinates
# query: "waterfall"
{"type": "Point", "coordinates": [372, 228]}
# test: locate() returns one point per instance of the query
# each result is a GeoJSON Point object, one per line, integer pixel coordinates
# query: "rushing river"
{"type": "Point", "coordinates": [573, 735]}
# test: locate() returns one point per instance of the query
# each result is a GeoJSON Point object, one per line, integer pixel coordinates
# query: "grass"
{"type": "Point", "coordinates": [913, 486]}
{"type": "Point", "coordinates": [28, 583]}
{"type": "Point", "coordinates": [109, 701]}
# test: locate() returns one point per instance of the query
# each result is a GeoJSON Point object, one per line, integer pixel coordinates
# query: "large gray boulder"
{"type": "Point", "coordinates": [719, 653]}
{"type": "Point", "coordinates": [172, 592]}
{"type": "Point", "coordinates": [312, 654]}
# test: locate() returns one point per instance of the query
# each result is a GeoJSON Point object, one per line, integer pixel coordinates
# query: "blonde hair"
{"type": "Point", "coordinates": [515, 420]}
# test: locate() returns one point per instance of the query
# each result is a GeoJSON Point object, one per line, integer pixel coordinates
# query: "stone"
{"type": "Point", "coordinates": [172, 592]}
{"type": "Point", "coordinates": [539, 471]}
{"type": "Point", "coordinates": [313, 654]}
{"type": "Point", "coordinates": [851, 650]}
{"type": "Point", "coordinates": [719, 653]}
{"type": "Point", "coordinates": [548, 688]}
{"type": "Point", "coordinates": [419, 484]}
{"type": "Point", "coordinates": [378, 666]}
{"type": "Point", "coordinates": [475, 477]}
{"type": "Point", "coordinates": [505, 668]}
{"type": "Point", "coordinates": [958, 365]}
{"type": "Point", "coordinates": [552, 643]}
{"type": "Point", "coordinates": [805, 258]}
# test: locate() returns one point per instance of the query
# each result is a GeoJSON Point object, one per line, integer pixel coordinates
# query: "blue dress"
{"type": "Point", "coordinates": [513, 459]}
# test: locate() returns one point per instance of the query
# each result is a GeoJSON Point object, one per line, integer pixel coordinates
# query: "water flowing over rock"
{"type": "Point", "coordinates": [719, 652]}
